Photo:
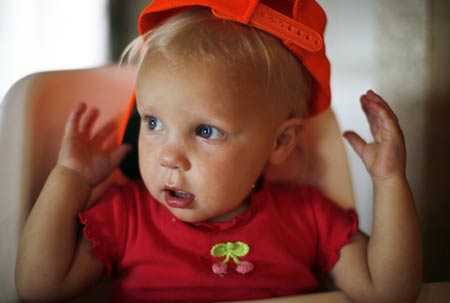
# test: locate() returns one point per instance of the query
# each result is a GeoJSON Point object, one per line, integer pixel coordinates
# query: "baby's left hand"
{"type": "Point", "coordinates": [386, 156]}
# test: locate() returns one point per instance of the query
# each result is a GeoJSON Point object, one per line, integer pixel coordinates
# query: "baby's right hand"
{"type": "Point", "coordinates": [92, 156]}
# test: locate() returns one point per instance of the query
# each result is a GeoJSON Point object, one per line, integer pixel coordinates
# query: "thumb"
{"type": "Point", "coordinates": [356, 142]}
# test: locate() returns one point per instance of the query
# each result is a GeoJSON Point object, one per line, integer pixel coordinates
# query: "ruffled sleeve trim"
{"type": "Point", "coordinates": [351, 227]}
{"type": "Point", "coordinates": [99, 250]}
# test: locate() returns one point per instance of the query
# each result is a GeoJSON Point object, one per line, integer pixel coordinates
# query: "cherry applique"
{"type": "Point", "coordinates": [231, 251]}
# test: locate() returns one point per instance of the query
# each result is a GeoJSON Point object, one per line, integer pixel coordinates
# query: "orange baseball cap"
{"type": "Point", "coordinates": [300, 24]}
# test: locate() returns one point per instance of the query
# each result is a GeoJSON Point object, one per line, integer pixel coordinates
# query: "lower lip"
{"type": "Point", "coordinates": [175, 202]}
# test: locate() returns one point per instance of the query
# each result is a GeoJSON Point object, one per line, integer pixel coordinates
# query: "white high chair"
{"type": "Point", "coordinates": [32, 118]}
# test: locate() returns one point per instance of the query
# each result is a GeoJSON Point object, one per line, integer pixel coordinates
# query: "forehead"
{"type": "Point", "coordinates": [158, 78]}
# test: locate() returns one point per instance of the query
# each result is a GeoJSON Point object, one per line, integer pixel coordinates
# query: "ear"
{"type": "Point", "coordinates": [285, 140]}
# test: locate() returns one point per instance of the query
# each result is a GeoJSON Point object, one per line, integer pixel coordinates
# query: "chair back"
{"type": "Point", "coordinates": [32, 118]}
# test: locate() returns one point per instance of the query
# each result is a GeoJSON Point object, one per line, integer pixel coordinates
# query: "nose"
{"type": "Point", "coordinates": [174, 157]}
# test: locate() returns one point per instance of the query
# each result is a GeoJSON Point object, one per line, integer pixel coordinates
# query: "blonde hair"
{"type": "Point", "coordinates": [197, 36]}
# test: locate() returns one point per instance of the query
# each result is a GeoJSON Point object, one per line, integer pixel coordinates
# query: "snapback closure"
{"type": "Point", "coordinates": [281, 26]}
{"type": "Point", "coordinates": [286, 28]}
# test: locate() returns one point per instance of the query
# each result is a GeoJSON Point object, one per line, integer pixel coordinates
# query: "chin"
{"type": "Point", "coordinates": [188, 216]}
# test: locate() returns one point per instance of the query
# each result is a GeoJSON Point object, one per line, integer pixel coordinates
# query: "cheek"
{"type": "Point", "coordinates": [236, 168]}
{"type": "Point", "coordinates": [147, 158]}
{"type": "Point", "coordinates": [148, 169]}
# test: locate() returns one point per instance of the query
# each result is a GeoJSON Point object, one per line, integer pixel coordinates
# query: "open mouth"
{"type": "Point", "coordinates": [178, 198]}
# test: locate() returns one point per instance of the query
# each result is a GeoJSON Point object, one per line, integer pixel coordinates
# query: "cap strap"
{"type": "Point", "coordinates": [282, 26]}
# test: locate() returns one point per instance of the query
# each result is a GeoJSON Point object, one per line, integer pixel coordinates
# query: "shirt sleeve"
{"type": "Point", "coordinates": [105, 226]}
{"type": "Point", "coordinates": [335, 227]}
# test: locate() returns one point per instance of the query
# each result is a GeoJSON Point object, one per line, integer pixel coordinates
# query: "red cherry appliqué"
{"type": "Point", "coordinates": [244, 267]}
{"type": "Point", "coordinates": [231, 251]}
{"type": "Point", "coordinates": [220, 268]}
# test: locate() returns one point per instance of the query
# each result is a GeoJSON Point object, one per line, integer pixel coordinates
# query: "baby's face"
{"type": "Point", "coordinates": [205, 138]}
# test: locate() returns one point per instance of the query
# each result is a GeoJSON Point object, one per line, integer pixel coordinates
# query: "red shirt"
{"type": "Point", "coordinates": [293, 233]}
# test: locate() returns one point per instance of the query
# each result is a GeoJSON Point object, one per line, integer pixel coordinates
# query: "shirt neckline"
{"type": "Point", "coordinates": [239, 220]}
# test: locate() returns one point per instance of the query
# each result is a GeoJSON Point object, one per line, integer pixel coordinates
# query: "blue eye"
{"type": "Point", "coordinates": [209, 132]}
{"type": "Point", "coordinates": [154, 123]}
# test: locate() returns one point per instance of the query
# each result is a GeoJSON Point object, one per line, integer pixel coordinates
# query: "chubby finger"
{"type": "Point", "coordinates": [73, 121]}
{"type": "Point", "coordinates": [105, 132]}
{"type": "Point", "coordinates": [373, 112]}
{"type": "Point", "coordinates": [356, 142]}
{"type": "Point", "coordinates": [110, 143]}
{"type": "Point", "coordinates": [373, 97]}
{"type": "Point", "coordinates": [382, 120]}
{"type": "Point", "coordinates": [88, 121]}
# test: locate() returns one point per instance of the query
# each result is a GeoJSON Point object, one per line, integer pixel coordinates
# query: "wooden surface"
{"type": "Point", "coordinates": [438, 292]}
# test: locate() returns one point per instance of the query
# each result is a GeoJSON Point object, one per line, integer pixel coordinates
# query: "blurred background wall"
{"type": "Point", "coordinates": [413, 70]}
{"type": "Point", "coordinates": [37, 35]}
{"type": "Point", "coordinates": [123, 20]}
{"type": "Point", "coordinates": [398, 48]}
{"type": "Point", "coordinates": [401, 49]}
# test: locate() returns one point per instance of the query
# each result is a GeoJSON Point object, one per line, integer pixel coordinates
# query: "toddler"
{"type": "Point", "coordinates": [222, 91]}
